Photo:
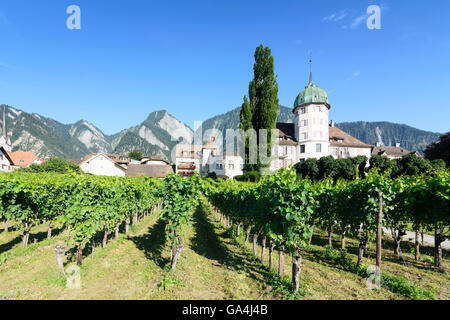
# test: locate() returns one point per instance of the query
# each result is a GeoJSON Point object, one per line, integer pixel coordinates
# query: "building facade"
{"type": "Point", "coordinates": [391, 152]}
{"type": "Point", "coordinates": [22, 159]}
{"type": "Point", "coordinates": [102, 165]}
{"type": "Point", "coordinates": [6, 164]}
{"type": "Point", "coordinates": [312, 135]}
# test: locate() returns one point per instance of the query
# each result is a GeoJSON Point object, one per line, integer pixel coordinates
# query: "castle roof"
{"type": "Point", "coordinates": [311, 94]}
{"type": "Point", "coordinates": [340, 138]}
{"type": "Point", "coordinates": [390, 151]}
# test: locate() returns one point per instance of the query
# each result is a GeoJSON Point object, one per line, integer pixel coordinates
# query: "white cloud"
{"type": "Point", "coordinates": [354, 75]}
{"type": "Point", "coordinates": [337, 16]}
{"type": "Point", "coordinates": [357, 21]}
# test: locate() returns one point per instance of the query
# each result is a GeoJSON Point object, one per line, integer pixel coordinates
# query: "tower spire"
{"type": "Point", "coordinates": [311, 83]}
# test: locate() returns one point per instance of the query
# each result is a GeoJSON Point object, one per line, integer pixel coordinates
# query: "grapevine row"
{"type": "Point", "coordinates": [82, 204]}
{"type": "Point", "coordinates": [284, 210]}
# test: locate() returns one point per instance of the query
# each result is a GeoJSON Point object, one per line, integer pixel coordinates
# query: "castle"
{"type": "Point", "coordinates": [311, 135]}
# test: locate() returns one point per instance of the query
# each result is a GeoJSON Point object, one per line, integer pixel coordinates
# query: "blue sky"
{"type": "Point", "coordinates": [195, 58]}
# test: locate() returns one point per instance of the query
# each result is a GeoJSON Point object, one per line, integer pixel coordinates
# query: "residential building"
{"type": "Point", "coordinates": [102, 165]}
{"type": "Point", "coordinates": [148, 170]}
{"type": "Point", "coordinates": [6, 164]}
{"type": "Point", "coordinates": [391, 152]}
{"type": "Point", "coordinates": [154, 161]}
{"type": "Point", "coordinates": [188, 159]}
{"type": "Point", "coordinates": [21, 159]}
{"type": "Point", "coordinates": [311, 135]}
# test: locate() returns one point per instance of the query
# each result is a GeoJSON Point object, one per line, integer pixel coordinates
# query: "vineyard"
{"type": "Point", "coordinates": [269, 240]}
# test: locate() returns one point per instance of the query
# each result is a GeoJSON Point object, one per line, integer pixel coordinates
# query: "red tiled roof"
{"type": "Point", "coordinates": [22, 158]}
{"type": "Point", "coordinates": [337, 134]}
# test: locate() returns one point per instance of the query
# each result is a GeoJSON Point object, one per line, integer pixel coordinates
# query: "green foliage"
{"type": "Point", "coordinates": [411, 165]}
{"type": "Point", "coordinates": [439, 150]}
{"type": "Point", "coordinates": [84, 204]}
{"type": "Point", "coordinates": [381, 162]}
{"type": "Point", "coordinates": [277, 206]}
{"type": "Point", "coordinates": [212, 175]}
{"type": "Point", "coordinates": [136, 155]}
{"type": "Point", "coordinates": [438, 164]}
{"type": "Point", "coordinates": [328, 167]}
{"type": "Point", "coordinates": [262, 109]}
{"type": "Point", "coordinates": [347, 169]}
{"type": "Point", "coordinates": [55, 165]}
{"type": "Point", "coordinates": [251, 176]}
{"type": "Point", "coordinates": [181, 196]}
{"type": "Point", "coordinates": [284, 208]}
{"type": "Point", "coordinates": [308, 169]}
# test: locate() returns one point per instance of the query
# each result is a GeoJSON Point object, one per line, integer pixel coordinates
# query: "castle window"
{"type": "Point", "coordinates": [303, 123]}
{"type": "Point", "coordinates": [302, 110]}
{"type": "Point", "coordinates": [318, 147]}
{"type": "Point", "coordinates": [302, 148]}
{"type": "Point", "coordinates": [304, 135]}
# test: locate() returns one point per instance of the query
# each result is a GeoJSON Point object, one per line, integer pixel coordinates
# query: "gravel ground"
{"type": "Point", "coordinates": [411, 236]}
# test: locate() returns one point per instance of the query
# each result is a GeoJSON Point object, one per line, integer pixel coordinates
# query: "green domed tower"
{"type": "Point", "coordinates": [311, 94]}
{"type": "Point", "coordinates": [311, 108]}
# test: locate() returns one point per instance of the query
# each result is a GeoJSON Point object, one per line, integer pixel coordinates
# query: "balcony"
{"type": "Point", "coordinates": [187, 166]}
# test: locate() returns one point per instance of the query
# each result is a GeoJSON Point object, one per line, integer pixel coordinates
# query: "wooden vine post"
{"type": "Point", "coordinates": [380, 221]}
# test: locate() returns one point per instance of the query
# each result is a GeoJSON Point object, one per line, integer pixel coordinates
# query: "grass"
{"type": "Point", "coordinates": [214, 265]}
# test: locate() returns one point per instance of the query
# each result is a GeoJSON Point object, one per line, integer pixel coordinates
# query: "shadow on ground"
{"type": "Point", "coordinates": [207, 241]}
{"type": "Point", "coordinates": [34, 238]}
{"type": "Point", "coordinates": [388, 249]}
{"type": "Point", "coordinates": [153, 243]}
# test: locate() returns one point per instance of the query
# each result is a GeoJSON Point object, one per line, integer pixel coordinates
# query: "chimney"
{"type": "Point", "coordinates": [397, 145]}
{"type": "Point", "coordinates": [378, 144]}
{"type": "Point", "coordinates": [332, 123]}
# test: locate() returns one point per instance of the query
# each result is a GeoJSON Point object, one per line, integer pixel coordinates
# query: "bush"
{"type": "Point", "coordinates": [251, 176]}
{"type": "Point", "coordinates": [56, 165]}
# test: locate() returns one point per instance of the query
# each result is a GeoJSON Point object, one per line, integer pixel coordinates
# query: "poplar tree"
{"type": "Point", "coordinates": [263, 94]}
{"type": "Point", "coordinates": [246, 124]}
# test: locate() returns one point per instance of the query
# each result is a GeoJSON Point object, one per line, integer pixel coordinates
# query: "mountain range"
{"type": "Point", "coordinates": [160, 132]}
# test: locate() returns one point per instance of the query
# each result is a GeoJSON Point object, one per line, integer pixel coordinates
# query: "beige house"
{"type": "Point", "coordinates": [343, 145]}
{"type": "Point", "coordinates": [102, 165]}
{"type": "Point", "coordinates": [391, 152]}
{"type": "Point", "coordinates": [188, 159]}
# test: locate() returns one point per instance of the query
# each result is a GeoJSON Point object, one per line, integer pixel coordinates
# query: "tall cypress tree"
{"type": "Point", "coordinates": [246, 124]}
{"type": "Point", "coordinates": [263, 93]}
